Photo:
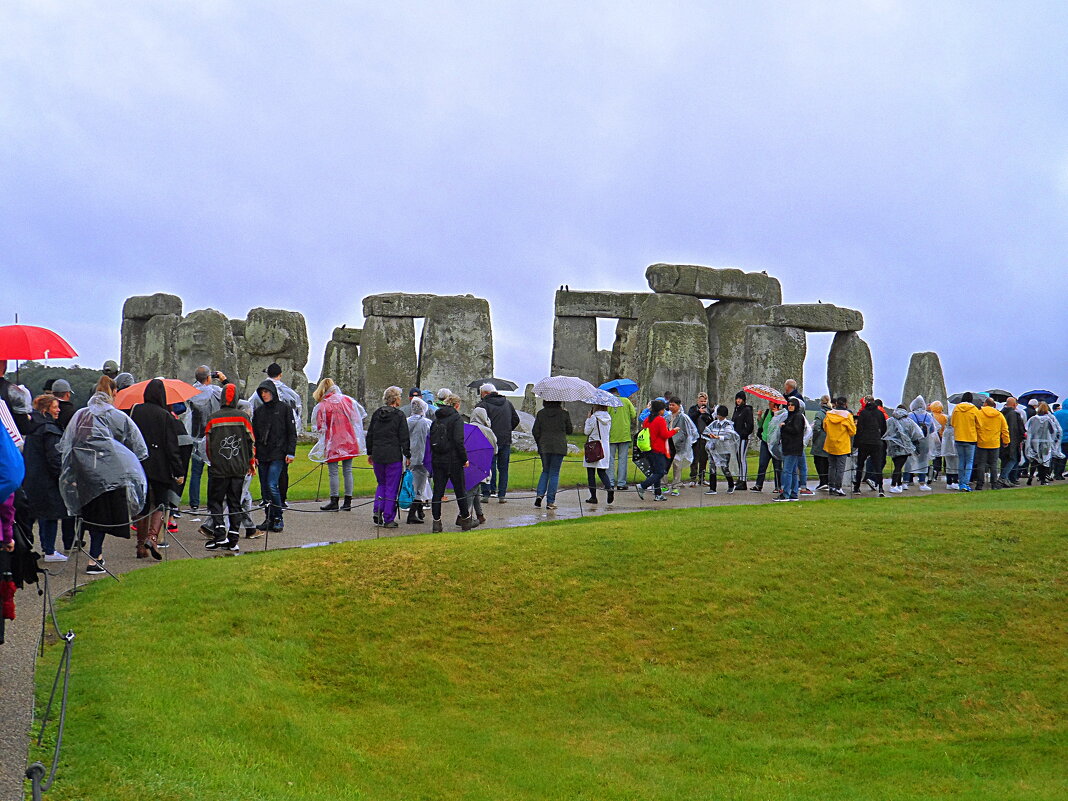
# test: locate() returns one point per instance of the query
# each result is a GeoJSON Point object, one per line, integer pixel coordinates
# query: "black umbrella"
{"type": "Point", "coordinates": [1000, 395]}
{"type": "Point", "coordinates": [500, 383]}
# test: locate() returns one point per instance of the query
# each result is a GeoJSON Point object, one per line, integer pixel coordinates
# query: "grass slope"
{"type": "Point", "coordinates": [826, 650]}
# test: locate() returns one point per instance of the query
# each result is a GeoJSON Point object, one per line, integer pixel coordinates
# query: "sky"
{"type": "Point", "coordinates": [908, 159]}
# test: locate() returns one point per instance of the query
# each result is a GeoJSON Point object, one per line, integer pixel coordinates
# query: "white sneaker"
{"type": "Point", "coordinates": [925, 487]}
{"type": "Point", "coordinates": [55, 557]}
{"type": "Point", "coordinates": [951, 486]}
{"type": "Point", "coordinates": [895, 490]}
{"type": "Point", "coordinates": [822, 487]}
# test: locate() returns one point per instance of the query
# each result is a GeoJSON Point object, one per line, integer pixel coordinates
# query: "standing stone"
{"type": "Point", "coordinates": [672, 346]}
{"type": "Point", "coordinates": [604, 370]}
{"type": "Point", "coordinates": [387, 358]}
{"type": "Point", "coordinates": [281, 336]}
{"type": "Point", "coordinates": [773, 354]}
{"type": "Point", "coordinates": [457, 344]}
{"type": "Point", "coordinates": [132, 346]}
{"type": "Point", "coordinates": [575, 353]}
{"type": "Point", "coordinates": [138, 355]}
{"type": "Point", "coordinates": [205, 337]}
{"type": "Point", "coordinates": [341, 361]}
{"type": "Point", "coordinates": [530, 402]}
{"type": "Point", "coordinates": [728, 367]}
{"type": "Point", "coordinates": [849, 368]}
{"type": "Point", "coordinates": [160, 339]}
{"type": "Point", "coordinates": [237, 327]}
{"type": "Point", "coordinates": [624, 350]}
{"type": "Point", "coordinates": [925, 378]}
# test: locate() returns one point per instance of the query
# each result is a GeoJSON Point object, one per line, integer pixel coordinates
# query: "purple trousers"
{"type": "Point", "coordinates": [7, 518]}
{"type": "Point", "coordinates": [389, 479]}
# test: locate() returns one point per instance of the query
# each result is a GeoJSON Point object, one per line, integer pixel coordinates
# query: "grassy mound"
{"type": "Point", "coordinates": [825, 650]}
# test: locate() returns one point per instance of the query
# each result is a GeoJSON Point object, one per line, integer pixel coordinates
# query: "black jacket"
{"type": "Point", "coordinates": [43, 464]}
{"type": "Point", "coordinates": [1017, 429]}
{"type": "Point", "coordinates": [273, 427]}
{"type": "Point", "coordinates": [503, 419]}
{"type": "Point", "coordinates": [792, 434]}
{"type": "Point", "coordinates": [701, 419]}
{"type": "Point", "coordinates": [743, 420]}
{"type": "Point", "coordinates": [446, 436]}
{"type": "Point", "coordinates": [552, 424]}
{"type": "Point", "coordinates": [871, 425]}
{"type": "Point", "coordinates": [387, 436]}
{"type": "Point", "coordinates": [22, 421]}
{"type": "Point", "coordinates": [228, 438]}
{"type": "Point", "coordinates": [66, 412]}
{"type": "Point", "coordinates": [164, 462]}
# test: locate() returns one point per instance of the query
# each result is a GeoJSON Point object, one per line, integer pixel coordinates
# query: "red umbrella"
{"type": "Point", "coordinates": [177, 392]}
{"type": "Point", "coordinates": [765, 392]}
{"type": "Point", "coordinates": [30, 342]}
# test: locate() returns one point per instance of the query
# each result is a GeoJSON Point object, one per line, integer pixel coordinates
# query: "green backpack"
{"type": "Point", "coordinates": [643, 440]}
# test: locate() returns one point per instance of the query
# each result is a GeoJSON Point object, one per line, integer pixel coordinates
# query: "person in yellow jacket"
{"type": "Point", "coordinates": [839, 426]}
{"type": "Point", "coordinates": [965, 422]}
{"type": "Point", "coordinates": [993, 433]}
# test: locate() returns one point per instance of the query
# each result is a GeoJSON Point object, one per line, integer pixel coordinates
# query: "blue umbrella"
{"type": "Point", "coordinates": [626, 386]}
{"type": "Point", "coordinates": [1040, 395]}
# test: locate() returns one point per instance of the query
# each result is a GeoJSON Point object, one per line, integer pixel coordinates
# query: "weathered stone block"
{"type": "Point", "coordinates": [387, 358]}
{"type": "Point", "coordinates": [773, 354]}
{"type": "Point", "coordinates": [676, 359]}
{"type": "Point", "coordinates": [237, 327]}
{"type": "Point", "coordinates": [132, 345]}
{"type": "Point", "coordinates": [341, 362]}
{"type": "Point", "coordinates": [397, 304]}
{"type": "Point", "coordinates": [347, 336]}
{"type": "Point", "coordinates": [161, 348]}
{"type": "Point", "coordinates": [277, 332]}
{"type": "Point", "coordinates": [728, 368]}
{"type": "Point", "coordinates": [849, 368]}
{"type": "Point", "coordinates": [925, 378]}
{"type": "Point", "coordinates": [575, 347]}
{"type": "Point", "coordinates": [618, 305]}
{"type": "Point", "coordinates": [816, 317]}
{"type": "Point", "coordinates": [625, 358]}
{"type": "Point", "coordinates": [716, 283]}
{"type": "Point", "coordinates": [143, 307]}
{"type": "Point", "coordinates": [457, 343]}
{"type": "Point", "coordinates": [205, 337]}
{"type": "Point", "coordinates": [530, 400]}
{"type": "Point", "coordinates": [604, 369]}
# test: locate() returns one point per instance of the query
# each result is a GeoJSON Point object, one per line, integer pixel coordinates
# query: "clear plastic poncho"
{"type": "Point", "coordinates": [774, 442]}
{"type": "Point", "coordinates": [339, 426]}
{"type": "Point", "coordinates": [902, 434]}
{"type": "Point", "coordinates": [1043, 443]}
{"type": "Point", "coordinates": [724, 445]}
{"type": "Point", "coordinates": [685, 438]}
{"type": "Point", "coordinates": [102, 450]}
{"type": "Point", "coordinates": [926, 448]}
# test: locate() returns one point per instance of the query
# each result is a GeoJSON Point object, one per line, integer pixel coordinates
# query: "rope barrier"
{"type": "Point", "coordinates": [36, 772]}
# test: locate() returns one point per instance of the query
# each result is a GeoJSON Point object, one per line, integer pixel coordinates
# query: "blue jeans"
{"type": "Point", "coordinates": [270, 472]}
{"type": "Point", "coordinates": [549, 479]}
{"type": "Point", "coordinates": [658, 467]}
{"type": "Point", "coordinates": [46, 530]}
{"type": "Point", "coordinates": [1007, 468]}
{"type": "Point", "coordinates": [618, 462]}
{"type": "Point", "coordinates": [196, 470]}
{"type": "Point", "coordinates": [498, 483]}
{"type": "Point", "coordinates": [791, 465]}
{"type": "Point", "coordinates": [965, 459]}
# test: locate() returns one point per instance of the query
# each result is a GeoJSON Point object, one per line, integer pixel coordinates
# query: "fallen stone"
{"type": "Point", "coordinates": [397, 304]}
{"type": "Point", "coordinates": [773, 354]}
{"type": "Point", "coordinates": [716, 283]}
{"type": "Point", "coordinates": [457, 344]}
{"type": "Point", "coordinates": [598, 304]}
{"type": "Point", "coordinates": [925, 378]}
{"type": "Point", "coordinates": [816, 317]}
{"type": "Point", "coordinates": [849, 368]}
{"type": "Point", "coordinates": [144, 307]}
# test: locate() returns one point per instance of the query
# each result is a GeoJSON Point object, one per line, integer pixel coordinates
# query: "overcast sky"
{"type": "Point", "coordinates": [906, 159]}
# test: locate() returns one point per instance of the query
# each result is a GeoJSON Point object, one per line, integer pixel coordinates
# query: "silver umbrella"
{"type": "Point", "coordinates": [565, 388]}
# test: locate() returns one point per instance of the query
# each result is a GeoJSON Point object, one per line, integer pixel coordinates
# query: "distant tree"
{"type": "Point", "coordinates": [33, 376]}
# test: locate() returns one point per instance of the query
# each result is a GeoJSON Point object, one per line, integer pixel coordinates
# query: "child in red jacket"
{"type": "Point", "coordinates": [659, 455]}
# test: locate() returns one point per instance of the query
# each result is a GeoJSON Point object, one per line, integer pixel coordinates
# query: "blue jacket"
{"type": "Point", "coordinates": [1062, 418]}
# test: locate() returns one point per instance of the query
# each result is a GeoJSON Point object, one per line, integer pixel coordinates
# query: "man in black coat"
{"type": "Point", "coordinates": [503, 420]}
{"type": "Point", "coordinates": [163, 467]}
{"type": "Point", "coordinates": [744, 425]}
{"type": "Point", "coordinates": [1010, 454]}
{"type": "Point", "coordinates": [448, 460]}
{"type": "Point", "coordinates": [702, 415]}
{"type": "Point", "coordinates": [276, 446]}
{"type": "Point", "coordinates": [871, 425]}
{"type": "Point", "coordinates": [61, 389]}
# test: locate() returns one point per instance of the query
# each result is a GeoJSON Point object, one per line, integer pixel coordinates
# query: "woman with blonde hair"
{"type": "Point", "coordinates": [338, 423]}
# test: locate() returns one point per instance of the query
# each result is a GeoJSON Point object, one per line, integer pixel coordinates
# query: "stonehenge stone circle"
{"type": "Point", "coordinates": [714, 283]}
{"type": "Point", "coordinates": [925, 378]}
{"type": "Point", "coordinates": [341, 360]}
{"type": "Point", "coordinates": [774, 353]}
{"type": "Point", "coordinates": [849, 368]}
{"type": "Point", "coordinates": [816, 317]}
{"type": "Point", "coordinates": [205, 337]}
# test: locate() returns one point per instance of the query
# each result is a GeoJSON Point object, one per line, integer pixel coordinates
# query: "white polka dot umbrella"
{"type": "Point", "coordinates": [565, 388]}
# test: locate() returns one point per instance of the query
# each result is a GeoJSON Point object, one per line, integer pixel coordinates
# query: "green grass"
{"type": "Point", "coordinates": [863, 649]}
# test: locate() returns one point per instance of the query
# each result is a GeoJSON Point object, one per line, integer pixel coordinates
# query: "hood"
{"type": "Point", "coordinates": [38, 420]}
{"type": "Point", "coordinates": [836, 416]}
{"type": "Point", "coordinates": [268, 386]}
{"type": "Point", "coordinates": [826, 407]}
{"type": "Point", "coordinates": [99, 403]}
{"type": "Point", "coordinates": [739, 395]}
{"type": "Point", "coordinates": [480, 417]}
{"type": "Point", "coordinates": [495, 399]}
{"type": "Point", "coordinates": [918, 404]}
{"type": "Point", "coordinates": [900, 414]}
{"type": "Point", "coordinates": [963, 406]}
{"type": "Point", "coordinates": [229, 395]}
{"type": "Point", "coordinates": [156, 393]}
{"type": "Point", "coordinates": [445, 412]}
{"type": "Point", "coordinates": [605, 417]}
{"type": "Point", "coordinates": [989, 411]}
{"type": "Point", "coordinates": [936, 407]}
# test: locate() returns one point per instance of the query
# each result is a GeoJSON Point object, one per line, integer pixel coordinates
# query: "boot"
{"type": "Point", "coordinates": [611, 496]}
{"type": "Point", "coordinates": [466, 524]}
{"type": "Point", "coordinates": [436, 528]}
{"type": "Point", "coordinates": [413, 516]}
{"type": "Point", "coordinates": [347, 505]}
{"type": "Point", "coordinates": [142, 551]}
{"type": "Point", "coordinates": [420, 508]}
{"type": "Point", "coordinates": [739, 485]}
{"type": "Point", "coordinates": [330, 507]}
{"type": "Point", "coordinates": [593, 496]}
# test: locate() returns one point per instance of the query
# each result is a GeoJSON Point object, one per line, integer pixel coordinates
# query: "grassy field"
{"type": "Point", "coordinates": [309, 480]}
{"type": "Point", "coordinates": [862, 650]}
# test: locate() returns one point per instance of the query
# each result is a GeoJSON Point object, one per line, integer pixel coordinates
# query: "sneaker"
{"type": "Point", "coordinates": [195, 509]}
{"type": "Point", "coordinates": [675, 493]}
{"type": "Point", "coordinates": [163, 544]}
{"type": "Point", "coordinates": [713, 492]}
{"type": "Point", "coordinates": [232, 544]}
{"type": "Point", "coordinates": [502, 500]}
{"type": "Point", "coordinates": [96, 567]}
{"type": "Point", "coordinates": [756, 489]}
{"type": "Point", "coordinates": [730, 490]}
{"type": "Point", "coordinates": [172, 528]}
{"type": "Point", "coordinates": [640, 490]}
{"type": "Point", "coordinates": [806, 491]}
{"type": "Point", "coordinates": [951, 486]}
{"type": "Point", "coordinates": [822, 488]}
{"type": "Point", "coordinates": [964, 488]}
{"type": "Point", "coordinates": [838, 492]}
{"type": "Point", "coordinates": [277, 526]}
{"type": "Point", "coordinates": [253, 533]}
{"type": "Point", "coordinates": [793, 499]}
{"type": "Point", "coordinates": [176, 514]}
{"type": "Point", "coordinates": [537, 501]}
{"type": "Point", "coordinates": [925, 487]}
{"type": "Point", "coordinates": [659, 497]}
{"type": "Point", "coordinates": [285, 504]}
{"type": "Point", "coordinates": [780, 498]}
{"type": "Point", "coordinates": [55, 556]}
{"type": "Point", "coordinates": [881, 495]}
{"type": "Point", "coordinates": [390, 524]}
{"type": "Point", "coordinates": [216, 545]}
{"type": "Point", "coordinates": [550, 506]}
{"type": "Point", "coordinates": [693, 483]}
{"type": "Point", "coordinates": [207, 530]}
{"type": "Point", "coordinates": [871, 483]}
{"type": "Point", "coordinates": [624, 488]}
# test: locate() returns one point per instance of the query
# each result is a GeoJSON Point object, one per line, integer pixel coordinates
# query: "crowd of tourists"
{"type": "Point", "coordinates": [124, 472]}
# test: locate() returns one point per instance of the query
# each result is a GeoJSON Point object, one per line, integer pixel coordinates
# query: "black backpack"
{"type": "Point", "coordinates": [440, 441]}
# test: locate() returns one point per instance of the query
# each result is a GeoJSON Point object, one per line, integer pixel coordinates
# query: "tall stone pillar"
{"type": "Point", "coordinates": [773, 354]}
{"type": "Point", "coordinates": [387, 357]}
{"type": "Point", "coordinates": [456, 346]}
{"type": "Point", "coordinates": [925, 378]}
{"type": "Point", "coordinates": [849, 368]}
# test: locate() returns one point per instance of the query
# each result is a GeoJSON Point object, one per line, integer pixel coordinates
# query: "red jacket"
{"type": "Point", "coordinates": [659, 434]}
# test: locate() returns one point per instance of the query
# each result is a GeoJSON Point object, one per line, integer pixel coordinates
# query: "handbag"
{"type": "Point", "coordinates": [594, 450]}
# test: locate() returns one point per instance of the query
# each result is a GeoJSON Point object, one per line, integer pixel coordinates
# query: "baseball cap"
{"type": "Point", "coordinates": [60, 386]}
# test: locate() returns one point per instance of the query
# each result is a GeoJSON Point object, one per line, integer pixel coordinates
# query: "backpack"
{"type": "Point", "coordinates": [644, 441]}
{"type": "Point", "coordinates": [440, 442]}
{"type": "Point", "coordinates": [407, 491]}
{"type": "Point", "coordinates": [922, 423]}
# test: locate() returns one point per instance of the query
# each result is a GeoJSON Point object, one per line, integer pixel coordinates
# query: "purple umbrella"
{"type": "Point", "coordinates": [479, 456]}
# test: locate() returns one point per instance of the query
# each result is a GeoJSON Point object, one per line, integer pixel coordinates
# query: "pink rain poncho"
{"type": "Point", "coordinates": [340, 427]}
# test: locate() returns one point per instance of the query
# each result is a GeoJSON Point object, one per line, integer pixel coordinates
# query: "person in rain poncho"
{"type": "Point", "coordinates": [340, 428]}
{"type": "Point", "coordinates": [918, 464]}
{"type": "Point", "coordinates": [598, 427]}
{"type": "Point", "coordinates": [938, 464]}
{"type": "Point", "coordinates": [721, 442]}
{"type": "Point", "coordinates": [683, 442]}
{"type": "Point", "coordinates": [902, 439]}
{"type": "Point", "coordinates": [1043, 444]}
{"type": "Point", "coordinates": [480, 420]}
{"type": "Point", "coordinates": [101, 478]}
{"type": "Point", "coordinates": [418, 428]}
